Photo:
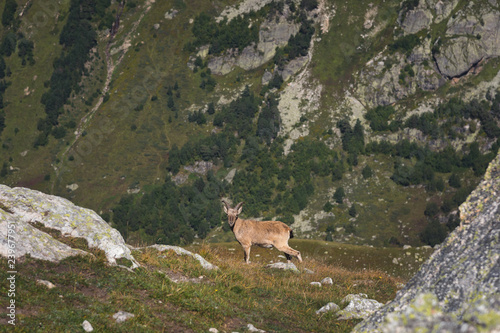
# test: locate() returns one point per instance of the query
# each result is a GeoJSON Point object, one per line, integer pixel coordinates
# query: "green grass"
{"type": "Point", "coordinates": [227, 299]}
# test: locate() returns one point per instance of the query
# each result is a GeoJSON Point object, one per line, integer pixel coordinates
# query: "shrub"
{"type": "Point", "coordinates": [433, 234]}
{"type": "Point", "coordinates": [339, 195]}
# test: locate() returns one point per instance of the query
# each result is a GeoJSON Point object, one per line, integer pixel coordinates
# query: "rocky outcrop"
{"type": "Point", "coordinates": [472, 35]}
{"type": "Point", "coordinates": [20, 207]}
{"type": "Point", "coordinates": [470, 38]}
{"type": "Point", "coordinates": [458, 288]}
{"type": "Point", "coordinates": [272, 34]}
{"type": "Point", "coordinates": [39, 246]}
{"type": "Point", "coordinates": [416, 20]}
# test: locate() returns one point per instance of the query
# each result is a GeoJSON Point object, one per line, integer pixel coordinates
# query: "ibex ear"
{"type": "Point", "coordinates": [225, 206]}
{"type": "Point", "coordinates": [239, 207]}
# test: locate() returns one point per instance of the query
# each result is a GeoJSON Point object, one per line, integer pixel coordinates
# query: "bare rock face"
{"type": "Point", "coordinates": [272, 34]}
{"type": "Point", "coordinates": [28, 239]}
{"type": "Point", "coordinates": [472, 37]}
{"type": "Point", "coordinates": [458, 288]}
{"type": "Point", "coordinates": [417, 20]}
{"type": "Point", "coordinates": [21, 206]}
{"type": "Point", "coordinates": [458, 56]}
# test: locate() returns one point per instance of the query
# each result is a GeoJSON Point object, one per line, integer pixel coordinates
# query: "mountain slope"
{"type": "Point", "coordinates": [157, 96]}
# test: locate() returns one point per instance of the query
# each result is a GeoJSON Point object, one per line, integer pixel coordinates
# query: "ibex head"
{"type": "Point", "coordinates": [232, 213]}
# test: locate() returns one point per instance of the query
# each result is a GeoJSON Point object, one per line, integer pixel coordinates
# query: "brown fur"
{"type": "Point", "coordinates": [261, 233]}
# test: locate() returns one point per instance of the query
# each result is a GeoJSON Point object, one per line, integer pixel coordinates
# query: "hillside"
{"type": "Point", "coordinates": [366, 123]}
{"type": "Point", "coordinates": [67, 266]}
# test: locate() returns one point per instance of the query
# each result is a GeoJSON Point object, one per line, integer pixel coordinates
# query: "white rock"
{"type": "Point", "coordinates": [327, 280]}
{"type": "Point", "coordinates": [315, 284]}
{"type": "Point", "coordinates": [87, 327]}
{"type": "Point", "coordinates": [46, 283]}
{"type": "Point", "coordinates": [329, 307]}
{"type": "Point", "coordinates": [359, 307]}
{"type": "Point", "coordinates": [213, 330]}
{"type": "Point", "coordinates": [25, 205]}
{"type": "Point", "coordinates": [284, 266]}
{"type": "Point", "coordinates": [122, 316]}
{"type": "Point", "coordinates": [252, 328]}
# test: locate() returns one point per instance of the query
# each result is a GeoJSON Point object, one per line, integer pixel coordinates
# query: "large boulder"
{"type": "Point", "coordinates": [458, 288]}
{"type": "Point", "coordinates": [25, 206]}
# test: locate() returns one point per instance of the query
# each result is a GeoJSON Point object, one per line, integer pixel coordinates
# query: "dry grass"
{"type": "Point", "coordinates": [173, 293]}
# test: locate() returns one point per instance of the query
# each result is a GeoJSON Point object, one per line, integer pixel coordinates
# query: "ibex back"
{"type": "Point", "coordinates": [262, 233]}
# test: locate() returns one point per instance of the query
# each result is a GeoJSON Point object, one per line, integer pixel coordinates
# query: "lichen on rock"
{"type": "Point", "coordinates": [27, 206]}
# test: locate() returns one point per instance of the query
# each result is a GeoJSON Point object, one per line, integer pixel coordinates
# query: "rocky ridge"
{"type": "Point", "coordinates": [471, 36]}
{"type": "Point", "coordinates": [272, 34]}
{"type": "Point", "coordinates": [458, 288]}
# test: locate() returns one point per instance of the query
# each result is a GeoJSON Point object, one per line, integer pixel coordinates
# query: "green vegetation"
{"type": "Point", "coordinates": [404, 44]}
{"type": "Point", "coordinates": [9, 12]}
{"type": "Point", "coordinates": [224, 35]}
{"type": "Point", "coordinates": [78, 37]}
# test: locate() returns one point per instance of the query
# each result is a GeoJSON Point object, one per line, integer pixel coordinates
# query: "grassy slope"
{"type": "Point", "coordinates": [23, 110]}
{"type": "Point", "coordinates": [227, 299]}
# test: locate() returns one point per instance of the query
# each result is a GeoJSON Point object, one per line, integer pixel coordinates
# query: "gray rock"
{"type": "Point", "coordinates": [443, 8]}
{"type": "Point", "coordinates": [122, 316]}
{"type": "Point", "coordinates": [327, 280]}
{"type": "Point", "coordinates": [35, 242]}
{"type": "Point", "coordinates": [329, 307]}
{"type": "Point", "coordinates": [25, 205]}
{"type": "Point", "coordinates": [460, 282]}
{"type": "Point", "coordinates": [180, 251]}
{"type": "Point", "coordinates": [222, 65]}
{"type": "Point", "coordinates": [416, 20]}
{"type": "Point", "coordinates": [266, 77]}
{"type": "Point", "coordinates": [472, 37]}
{"type": "Point", "coordinates": [293, 67]}
{"type": "Point", "coordinates": [272, 34]}
{"type": "Point", "coordinates": [171, 14]}
{"type": "Point", "coordinates": [458, 55]}
{"type": "Point", "coordinates": [285, 266]}
{"type": "Point", "coordinates": [359, 307]}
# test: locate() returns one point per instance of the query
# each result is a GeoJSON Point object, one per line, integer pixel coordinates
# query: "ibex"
{"type": "Point", "coordinates": [262, 233]}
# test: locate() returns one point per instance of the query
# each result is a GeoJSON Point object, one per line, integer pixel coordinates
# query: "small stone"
{"type": "Point", "coordinates": [252, 328]}
{"type": "Point", "coordinates": [87, 327]}
{"type": "Point", "coordinates": [213, 330]}
{"type": "Point", "coordinates": [315, 284]}
{"type": "Point", "coordinates": [285, 266]}
{"type": "Point", "coordinates": [122, 316]}
{"type": "Point", "coordinates": [327, 280]}
{"type": "Point", "coordinates": [329, 307]}
{"type": "Point", "coordinates": [45, 283]}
